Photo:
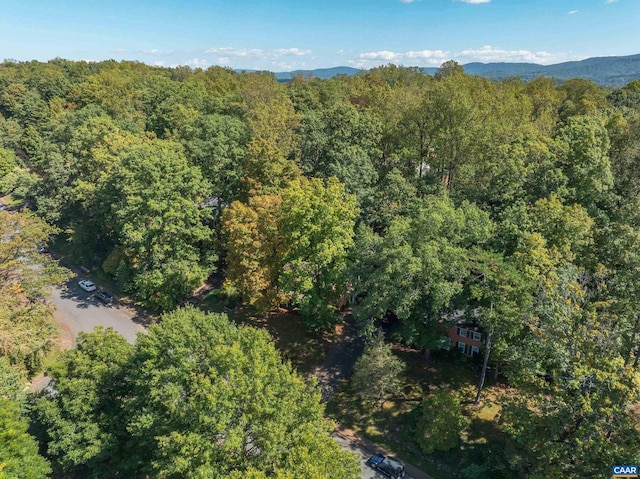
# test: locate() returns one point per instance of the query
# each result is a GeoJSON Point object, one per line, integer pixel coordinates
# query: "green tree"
{"type": "Point", "coordinates": [11, 380]}
{"type": "Point", "coordinates": [584, 158]}
{"type": "Point", "coordinates": [117, 90]}
{"type": "Point", "coordinates": [217, 144]}
{"type": "Point", "coordinates": [8, 162]}
{"type": "Point", "coordinates": [10, 133]}
{"type": "Point", "coordinates": [342, 141]}
{"type": "Point", "coordinates": [390, 202]}
{"type": "Point", "coordinates": [210, 398]}
{"type": "Point", "coordinates": [292, 247]}
{"type": "Point", "coordinates": [19, 458]}
{"type": "Point", "coordinates": [500, 299]}
{"type": "Point", "coordinates": [568, 229]}
{"type": "Point", "coordinates": [546, 99]}
{"type": "Point", "coordinates": [587, 401]}
{"type": "Point", "coordinates": [83, 420]}
{"type": "Point", "coordinates": [377, 373]}
{"type": "Point", "coordinates": [582, 97]}
{"type": "Point", "coordinates": [157, 203]}
{"type": "Point", "coordinates": [26, 326]}
{"type": "Point", "coordinates": [317, 221]}
{"type": "Point", "coordinates": [577, 414]}
{"type": "Point", "coordinates": [449, 68]}
{"type": "Point", "coordinates": [25, 105]}
{"type": "Point", "coordinates": [265, 171]}
{"type": "Point", "coordinates": [418, 268]}
{"type": "Point", "coordinates": [197, 397]}
{"type": "Point", "coordinates": [461, 112]}
{"type": "Point", "coordinates": [269, 111]}
{"type": "Point", "coordinates": [441, 422]}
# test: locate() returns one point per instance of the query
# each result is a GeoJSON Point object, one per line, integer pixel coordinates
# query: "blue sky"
{"type": "Point", "coordinates": [281, 35]}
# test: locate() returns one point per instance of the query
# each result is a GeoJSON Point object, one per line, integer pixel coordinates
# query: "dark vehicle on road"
{"type": "Point", "coordinates": [388, 466]}
{"type": "Point", "coordinates": [105, 297]}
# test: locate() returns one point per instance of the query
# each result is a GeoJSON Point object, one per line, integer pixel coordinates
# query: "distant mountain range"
{"type": "Point", "coordinates": [609, 71]}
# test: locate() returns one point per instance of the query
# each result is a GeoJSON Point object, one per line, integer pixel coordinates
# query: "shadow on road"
{"type": "Point", "coordinates": [364, 456]}
{"type": "Point", "coordinates": [70, 290]}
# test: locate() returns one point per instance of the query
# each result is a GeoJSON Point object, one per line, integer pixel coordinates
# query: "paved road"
{"type": "Point", "coordinates": [363, 455]}
{"type": "Point", "coordinates": [77, 310]}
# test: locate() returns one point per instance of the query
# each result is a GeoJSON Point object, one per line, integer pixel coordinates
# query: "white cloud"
{"type": "Point", "coordinates": [158, 64]}
{"type": "Point", "coordinates": [381, 55]}
{"type": "Point", "coordinates": [432, 55]}
{"type": "Point", "coordinates": [474, 1]}
{"type": "Point", "coordinates": [158, 52]}
{"type": "Point", "coordinates": [573, 12]}
{"type": "Point", "coordinates": [488, 54]}
{"type": "Point", "coordinates": [288, 66]}
{"type": "Point", "coordinates": [423, 57]}
{"type": "Point", "coordinates": [435, 58]}
{"type": "Point", "coordinates": [610, 1]}
{"type": "Point", "coordinates": [407, 1]}
{"type": "Point", "coordinates": [291, 52]}
{"type": "Point", "coordinates": [257, 52]}
{"type": "Point", "coordinates": [222, 61]}
{"type": "Point", "coordinates": [236, 52]}
{"type": "Point", "coordinates": [197, 63]}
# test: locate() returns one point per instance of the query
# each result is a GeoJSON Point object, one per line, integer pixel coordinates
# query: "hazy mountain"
{"type": "Point", "coordinates": [322, 73]}
{"type": "Point", "coordinates": [613, 71]}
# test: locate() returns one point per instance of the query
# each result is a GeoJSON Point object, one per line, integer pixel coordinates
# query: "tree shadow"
{"type": "Point", "coordinates": [482, 430]}
{"type": "Point", "coordinates": [70, 290]}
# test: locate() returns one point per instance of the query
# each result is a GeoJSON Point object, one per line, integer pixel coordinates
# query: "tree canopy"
{"type": "Point", "coordinates": [447, 198]}
{"type": "Point", "coordinates": [196, 397]}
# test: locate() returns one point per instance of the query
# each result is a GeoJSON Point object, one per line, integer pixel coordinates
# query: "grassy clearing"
{"type": "Point", "coordinates": [392, 427]}
{"type": "Point", "coordinates": [304, 349]}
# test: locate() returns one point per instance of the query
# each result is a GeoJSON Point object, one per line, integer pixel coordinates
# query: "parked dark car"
{"type": "Point", "coordinates": [388, 466]}
{"type": "Point", "coordinates": [105, 297]}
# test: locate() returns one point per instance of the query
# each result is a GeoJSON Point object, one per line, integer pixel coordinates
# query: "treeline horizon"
{"type": "Point", "coordinates": [514, 202]}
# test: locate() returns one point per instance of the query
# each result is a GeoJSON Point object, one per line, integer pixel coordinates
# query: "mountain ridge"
{"type": "Point", "coordinates": [606, 71]}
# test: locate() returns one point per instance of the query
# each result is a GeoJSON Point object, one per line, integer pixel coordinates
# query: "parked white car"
{"type": "Point", "coordinates": [87, 285]}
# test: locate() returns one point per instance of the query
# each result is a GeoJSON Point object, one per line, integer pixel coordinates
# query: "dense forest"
{"type": "Point", "coordinates": [512, 204]}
